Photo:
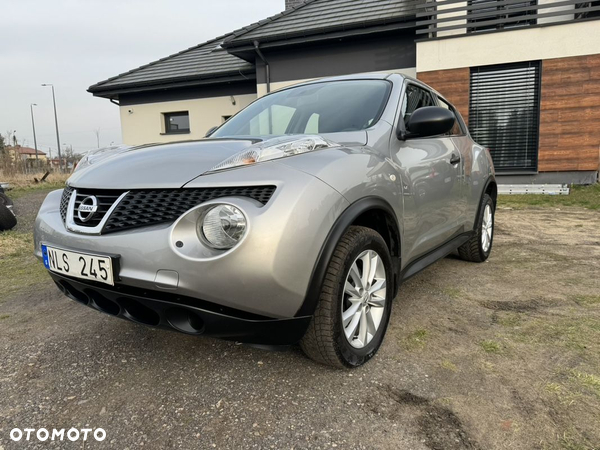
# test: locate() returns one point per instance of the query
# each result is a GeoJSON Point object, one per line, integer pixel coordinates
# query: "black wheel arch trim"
{"type": "Point", "coordinates": [341, 225]}
{"type": "Point", "coordinates": [491, 179]}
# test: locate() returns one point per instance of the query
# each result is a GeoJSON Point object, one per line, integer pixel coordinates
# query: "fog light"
{"type": "Point", "coordinates": [222, 226]}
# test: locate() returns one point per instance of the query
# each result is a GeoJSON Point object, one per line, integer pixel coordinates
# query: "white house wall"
{"type": "Point", "coordinates": [144, 123]}
{"type": "Point", "coordinates": [528, 44]}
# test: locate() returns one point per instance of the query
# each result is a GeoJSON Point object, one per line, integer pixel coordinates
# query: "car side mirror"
{"type": "Point", "coordinates": [430, 121]}
{"type": "Point", "coordinates": [211, 131]}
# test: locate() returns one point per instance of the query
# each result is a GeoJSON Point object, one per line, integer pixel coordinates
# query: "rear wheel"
{"type": "Point", "coordinates": [354, 307]}
{"type": "Point", "coordinates": [478, 248]}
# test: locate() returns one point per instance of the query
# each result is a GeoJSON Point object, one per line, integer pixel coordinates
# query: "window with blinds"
{"type": "Point", "coordinates": [504, 110]}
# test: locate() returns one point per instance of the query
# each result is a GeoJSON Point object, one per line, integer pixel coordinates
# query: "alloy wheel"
{"type": "Point", "coordinates": [487, 228]}
{"type": "Point", "coordinates": [364, 297]}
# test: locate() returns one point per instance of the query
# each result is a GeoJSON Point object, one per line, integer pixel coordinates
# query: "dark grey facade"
{"type": "Point", "coordinates": [339, 57]}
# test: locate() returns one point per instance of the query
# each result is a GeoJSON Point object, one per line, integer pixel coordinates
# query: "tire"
{"type": "Point", "coordinates": [4, 200]}
{"type": "Point", "coordinates": [479, 247]}
{"type": "Point", "coordinates": [325, 340]}
{"type": "Point", "coordinates": [7, 219]}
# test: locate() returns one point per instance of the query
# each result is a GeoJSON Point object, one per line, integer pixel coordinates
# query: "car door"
{"type": "Point", "coordinates": [463, 145]}
{"type": "Point", "coordinates": [430, 169]}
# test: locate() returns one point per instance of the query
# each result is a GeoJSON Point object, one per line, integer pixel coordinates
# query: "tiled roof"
{"type": "Point", "coordinates": [316, 16]}
{"type": "Point", "coordinates": [28, 151]}
{"type": "Point", "coordinates": [206, 60]}
{"type": "Point", "coordinates": [209, 60]}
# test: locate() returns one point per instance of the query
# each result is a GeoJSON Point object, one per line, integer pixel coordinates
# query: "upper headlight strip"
{"type": "Point", "coordinates": [275, 148]}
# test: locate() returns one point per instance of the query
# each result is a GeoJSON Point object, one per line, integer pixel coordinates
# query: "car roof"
{"type": "Point", "coordinates": [360, 76]}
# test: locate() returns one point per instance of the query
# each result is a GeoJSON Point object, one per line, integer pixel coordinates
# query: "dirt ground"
{"type": "Point", "coordinates": [499, 355]}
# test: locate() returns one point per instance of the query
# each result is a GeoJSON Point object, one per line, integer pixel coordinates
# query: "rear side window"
{"type": "Point", "coordinates": [414, 99]}
{"type": "Point", "coordinates": [457, 129]}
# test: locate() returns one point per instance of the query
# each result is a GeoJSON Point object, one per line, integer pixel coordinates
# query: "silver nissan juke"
{"type": "Point", "coordinates": [297, 220]}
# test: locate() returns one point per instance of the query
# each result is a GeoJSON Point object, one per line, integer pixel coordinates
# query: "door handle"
{"type": "Point", "coordinates": [454, 159]}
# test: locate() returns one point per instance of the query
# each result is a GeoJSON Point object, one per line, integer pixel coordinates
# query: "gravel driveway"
{"type": "Point", "coordinates": [504, 354]}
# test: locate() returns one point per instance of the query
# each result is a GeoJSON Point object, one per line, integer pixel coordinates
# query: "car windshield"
{"type": "Point", "coordinates": [327, 107]}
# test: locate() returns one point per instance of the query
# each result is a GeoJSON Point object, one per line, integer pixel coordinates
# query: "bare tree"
{"type": "Point", "coordinates": [68, 152]}
{"type": "Point", "coordinates": [8, 136]}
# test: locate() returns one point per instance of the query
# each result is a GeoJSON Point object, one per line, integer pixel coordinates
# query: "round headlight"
{"type": "Point", "coordinates": [222, 226]}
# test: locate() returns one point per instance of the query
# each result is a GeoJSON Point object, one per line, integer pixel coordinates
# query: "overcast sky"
{"type": "Point", "coordinates": [76, 43]}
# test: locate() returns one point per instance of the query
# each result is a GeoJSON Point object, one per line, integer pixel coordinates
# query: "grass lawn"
{"type": "Point", "coordinates": [583, 196]}
{"type": "Point", "coordinates": [24, 184]}
{"type": "Point", "coordinates": [19, 269]}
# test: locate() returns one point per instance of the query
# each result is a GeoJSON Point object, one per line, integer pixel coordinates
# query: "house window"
{"type": "Point", "coordinates": [485, 15]}
{"type": "Point", "coordinates": [504, 111]}
{"type": "Point", "coordinates": [177, 122]}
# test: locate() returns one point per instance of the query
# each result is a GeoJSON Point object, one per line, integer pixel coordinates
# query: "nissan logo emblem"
{"type": "Point", "coordinates": [87, 208]}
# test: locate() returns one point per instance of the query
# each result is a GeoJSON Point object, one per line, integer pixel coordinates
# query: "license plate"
{"type": "Point", "coordinates": [78, 265]}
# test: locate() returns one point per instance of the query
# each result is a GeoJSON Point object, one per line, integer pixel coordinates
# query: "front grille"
{"type": "Point", "coordinates": [150, 207]}
{"type": "Point", "coordinates": [141, 208]}
{"type": "Point", "coordinates": [64, 202]}
{"type": "Point", "coordinates": [105, 199]}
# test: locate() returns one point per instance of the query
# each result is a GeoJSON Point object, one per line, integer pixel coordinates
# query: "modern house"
{"type": "Point", "coordinates": [525, 74]}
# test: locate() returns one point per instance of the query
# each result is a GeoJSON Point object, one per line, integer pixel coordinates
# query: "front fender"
{"type": "Point", "coordinates": [341, 225]}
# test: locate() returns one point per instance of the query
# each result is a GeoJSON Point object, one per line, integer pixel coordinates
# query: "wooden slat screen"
{"type": "Point", "coordinates": [435, 18]}
{"type": "Point", "coordinates": [504, 111]}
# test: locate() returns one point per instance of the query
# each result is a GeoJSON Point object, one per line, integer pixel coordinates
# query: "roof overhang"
{"type": "Point", "coordinates": [245, 49]}
{"type": "Point", "coordinates": [113, 92]}
{"type": "Point", "coordinates": [333, 32]}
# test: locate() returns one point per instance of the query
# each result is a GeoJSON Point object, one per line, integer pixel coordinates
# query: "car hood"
{"type": "Point", "coordinates": [157, 166]}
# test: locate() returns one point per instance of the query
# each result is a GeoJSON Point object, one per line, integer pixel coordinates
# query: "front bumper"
{"type": "Point", "coordinates": [267, 274]}
{"type": "Point", "coordinates": [186, 315]}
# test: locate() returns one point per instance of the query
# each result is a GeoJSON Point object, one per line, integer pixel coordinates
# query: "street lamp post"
{"type": "Point", "coordinates": [56, 124]}
{"type": "Point", "coordinates": [33, 125]}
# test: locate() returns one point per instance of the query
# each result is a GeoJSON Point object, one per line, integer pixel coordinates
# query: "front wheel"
{"type": "Point", "coordinates": [354, 306]}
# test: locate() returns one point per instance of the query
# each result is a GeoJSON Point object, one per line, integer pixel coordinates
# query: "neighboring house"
{"type": "Point", "coordinates": [26, 154]}
{"type": "Point", "coordinates": [523, 73]}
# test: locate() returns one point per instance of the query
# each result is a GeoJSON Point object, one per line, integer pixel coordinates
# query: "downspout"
{"type": "Point", "coordinates": [267, 68]}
